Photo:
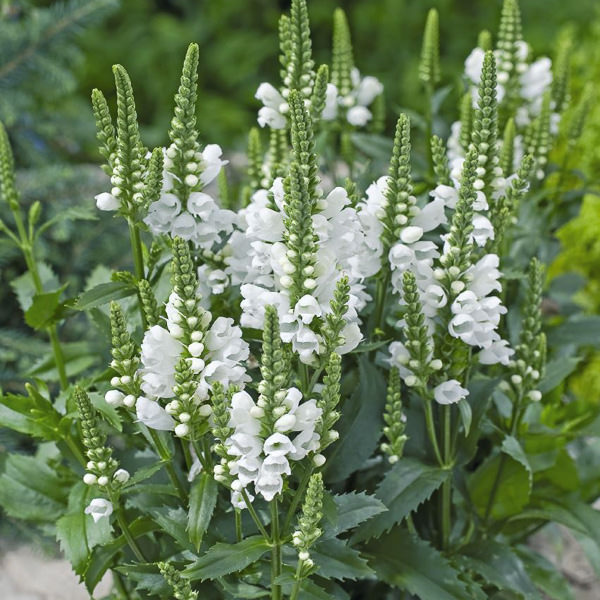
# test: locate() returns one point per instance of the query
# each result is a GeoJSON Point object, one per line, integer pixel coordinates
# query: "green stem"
{"type": "Point", "coordinates": [126, 532]}
{"type": "Point", "coordinates": [254, 516]}
{"type": "Point", "coordinates": [297, 583]}
{"type": "Point", "coordinates": [297, 498]}
{"type": "Point", "coordinates": [119, 585]}
{"type": "Point", "coordinates": [239, 535]}
{"type": "Point", "coordinates": [514, 423]}
{"type": "Point", "coordinates": [431, 431]}
{"type": "Point", "coordinates": [304, 377]}
{"type": "Point", "coordinates": [52, 330]}
{"type": "Point", "coordinates": [275, 551]}
{"type": "Point", "coordinates": [447, 485]}
{"type": "Point", "coordinates": [75, 450]}
{"type": "Point", "coordinates": [138, 262]}
{"type": "Point", "coordinates": [380, 298]}
{"type": "Point", "coordinates": [167, 458]}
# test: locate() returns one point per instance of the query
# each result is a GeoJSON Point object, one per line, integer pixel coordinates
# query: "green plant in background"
{"type": "Point", "coordinates": [327, 379]}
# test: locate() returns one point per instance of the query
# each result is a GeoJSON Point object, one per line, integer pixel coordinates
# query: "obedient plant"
{"type": "Point", "coordinates": [318, 388]}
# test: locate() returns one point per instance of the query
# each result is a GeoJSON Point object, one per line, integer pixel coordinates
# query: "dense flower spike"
{"type": "Point", "coordinates": [148, 303]}
{"type": "Point", "coordinates": [308, 531]}
{"type": "Point", "coordinates": [399, 198]}
{"type": "Point", "coordinates": [269, 433]}
{"type": "Point", "coordinates": [8, 190]}
{"type": "Point", "coordinates": [530, 355]}
{"type": "Point", "coordinates": [327, 403]}
{"type": "Point", "coordinates": [440, 161]}
{"type": "Point", "coordinates": [182, 589]}
{"type": "Point", "coordinates": [342, 61]}
{"type": "Point", "coordinates": [395, 419]}
{"type": "Point", "coordinates": [485, 127]}
{"type": "Point", "coordinates": [429, 67]}
{"type": "Point", "coordinates": [102, 469]}
{"type": "Point", "coordinates": [105, 130]}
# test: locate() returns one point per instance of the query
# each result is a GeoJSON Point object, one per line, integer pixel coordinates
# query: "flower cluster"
{"type": "Point", "coordinates": [266, 434]}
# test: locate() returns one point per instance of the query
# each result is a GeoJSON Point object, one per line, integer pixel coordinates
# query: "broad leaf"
{"type": "Point", "coordinates": [77, 532]}
{"type": "Point", "coordinates": [409, 563]}
{"type": "Point", "coordinates": [30, 490]}
{"type": "Point", "coordinates": [101, 558]}
{"type": "Point", "coordinates": [203, 497]}
{"type": "Point", "coordinates": [172, 521]}
{"type": "Point", "coordinates": [579, 330]}
{"type": "Point", "coordinates": [511, 446]}
{"type": "Point", "coordinates": [499, 566]}
{"type": "Point", "coordinates": [147, 578]}
{"type": "Point", "coordinates": [360, 426]}
{"type": "Point", "coordinates": [336, 560]}
{"type": "Point", "coordinates": [44, 309]}
{"type": "Point", "coordinates": [402, 490]}
{"type": "Point", "coordinates": [350, 510]}
{"type": "Point", "coordinates": [223, 559]}
{"type": "Point", "coordinates": [556, 372]}
{"type": "Point", "coordinates": [104, 293]}
{"type": "Point", "coordinates": [510, 480]}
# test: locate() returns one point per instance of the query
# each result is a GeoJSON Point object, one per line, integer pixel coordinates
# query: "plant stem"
{"type": "Point", "coordinates": [138, 262]}
{"type": "Point", "coordinates": [431, 431]}
{"type": "Point", "coordinates": [380, 298]}
{"type": "Point", "coordinates": [75, 450]}
{"type": "Point", "coordinates": [304, 377]}
{"type": "Point", "coordinates": [26, 245]}
{"type": "Point", "coordinates": [238, 525]}
{"type": "Point", "coordinates": [275, 551]}
{"type": "Point", "coordinates": [167, 458]}
{"type": "Point", "coordinates": [254, 516]}
{"type": "Point", "coordinates": [297, 498]}
{"type": "Point", "coordinates": [447, 485]}
{"type": "Point", "coordinates": [514, 423]}
{"type": "Point", "coordinates": [297, 584]}
{"type": "Point", "coordinates": [126, 532]}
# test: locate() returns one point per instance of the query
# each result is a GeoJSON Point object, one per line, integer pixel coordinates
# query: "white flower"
{"type": "Point", "coordinates": [352, 336]}
{"type": "Point", "coordinates": [160, 353]}
{"type": "Point", "coordinates": [358, 116]}
{"type": "Point", "coordinates": [474, 65]}
{"type": "Point", "coordinates": [270, 113]}
{"type": "Point", "coordinates": [485, 275]}
{"type": "Point", "coordinates": [331, 99]}
{"type": "Point", "coordinates": [153, 415]}
{"type": "Point", "coordinates": [211, 163]}
{"type": "Point", "coordinates": [536, 79]}
{"type": "Point", "coordinates": [99, 508]}
{"type": "Point", "coordinates": [106, 201]}
{"type": "Point", "coordinates": [449, 392]}
{"type": "Point", "coordinates": [307, 308]}
{"type": "Point", "coordinates": [410, 235]}
{"type": "Point", "coordinates": [369, 88]}
{"type": "Point", "coordinates": [497, 352]}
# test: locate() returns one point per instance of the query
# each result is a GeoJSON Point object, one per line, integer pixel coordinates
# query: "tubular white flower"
{"type": "Point", "coordinates": [153, 415]}
{"type": "Point", "coordinates": [99, 508]}
{"type": "Point", "coordinates": [108, 202]}
{"type": "Point", "coordinates": [449, 392]}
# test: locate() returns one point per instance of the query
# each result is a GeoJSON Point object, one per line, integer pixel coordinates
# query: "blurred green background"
{"type": "Point", "coordinates": [238, 45]}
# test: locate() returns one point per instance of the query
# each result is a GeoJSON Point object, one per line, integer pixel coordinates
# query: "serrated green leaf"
{"type": "Point", "coordinates": [108, 412]}
{"type": "Point", "coordinates": [409, 563]}
{"type": "Point", "coordinates": [72, 213]}
{"type": "Point", "coordinates": [101, 557]}
{"type": "Point", "coordinates": [499, 566]}
{"type": "Point", "coordinates": [44, 309]}
{"type": "Point", "coordinates": [402, 490]}
{"type": "Point", "coordinates": [104, 293]}
{"type": "Point", "coordinates": [30, 490]}
{"type": "Point", "coordinates": [147, 578]}
{"type": "Point", "coordinates": [336, 560]}
{"type": "Point", "coordinates": [77, 533]}
{"type": "Point", "coordinates": [172, 521]}
{"type": "Point", "coordinates": [360, 426]}
{"type": "Point", "coordinates": [203, 498]}
{"type": "Point", "coordinates": [32, 415]}
{"type": "Point", "coordinates": [25, 288]}
{"type": "Point", "coordinates": [512, 447]}
{"type": "Point", "coordinates": [351, 510]}
{"type": "Point", "coordinates": [223, 559]}
{"type": "Point", "coordinates": [512, 490]}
